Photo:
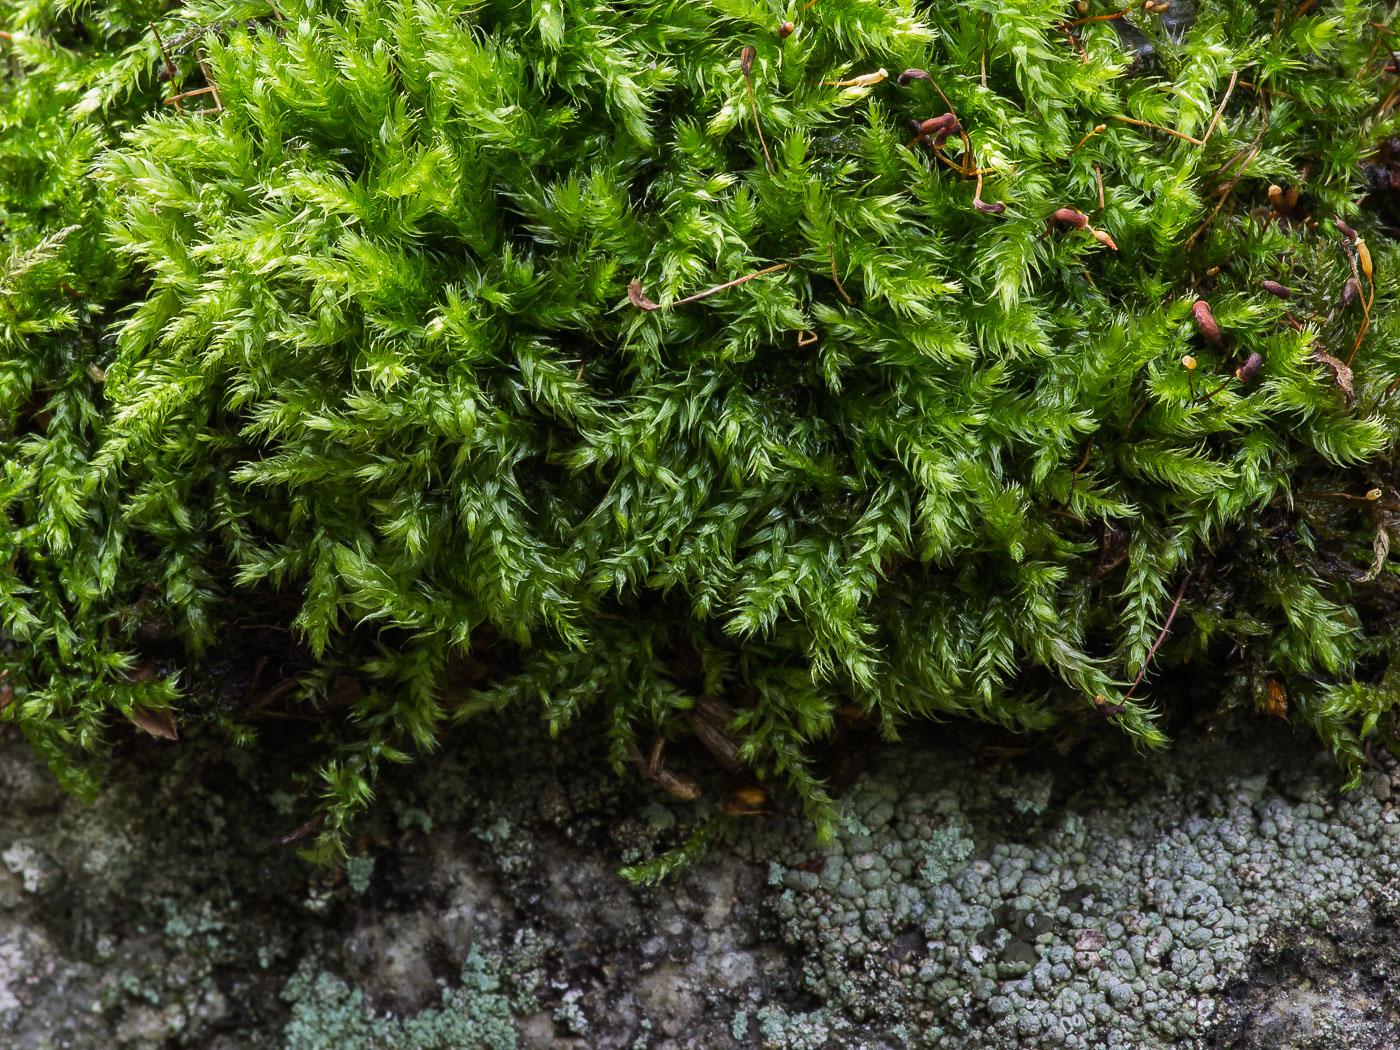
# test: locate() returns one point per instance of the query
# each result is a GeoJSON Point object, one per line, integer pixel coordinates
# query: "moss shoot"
{"type": "Point", "coordinates": [719, 370]}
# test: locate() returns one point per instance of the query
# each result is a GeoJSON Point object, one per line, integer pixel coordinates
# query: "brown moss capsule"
{"type": "Point", "coordinates": [1372, 495]}
{"type": "Point", "coordinates": [1276, 195]}
{"type": "Point", "coordinates": [1347, 231]}
{"type": "Point", "coordinates": [745, 802]}
{"type": "Point", "coordinates": [1290, 197]}
{"type": "Point", "coordinates": [1205, 322]}
{"type": "Point", "coordinates": [991, 209]}
{"type": "Point", "coordinates": [935, 131]}
{"type": "Point", "coordinates": [1274, 288]}
{"type": "Point", "coordinates": [1363, 256]}
{"type": "Point", "coordinates": [746, 58]}
{"type": "Point", "coordinates": [1070, 217]}
{"type": "Point", "coordinates": [786, 29]}
{"type": "Point", "coordinates": [1247, 371]}
{"type": "Point", "coordinates": [1350, 291]}
{"type": "Point", "coordinates": [1104, 708]}
{"type": "Point", "coordinates": [911, 74]}
{"type": "Point", "coordinates": [1104, 239]}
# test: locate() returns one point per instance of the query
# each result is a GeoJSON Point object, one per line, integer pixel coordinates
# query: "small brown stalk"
{"type": "Point", "coordinates": [1161, 637]}
{"type": "Point", "coordinates": [746, 58]}
{"type": "Point", "coordinates": [1189, 363]}
{"type": "Point", "coordinates": [638, 297]}
{"type": "Point", "coordinates": [1098, 128]}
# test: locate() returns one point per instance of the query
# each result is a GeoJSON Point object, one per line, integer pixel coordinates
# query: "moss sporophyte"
{"type": "Point", "coordinates": [367, 369]}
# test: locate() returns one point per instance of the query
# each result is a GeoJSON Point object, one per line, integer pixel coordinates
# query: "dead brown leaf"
{"type": "Point", "coordinates": [1340, 372]}
{"type": "Point", "coordinates": [638, 298]}
{"type": "Point", "coordinates": [1381, 546]}
{"type": "Point", "coordinates": [158, 723]}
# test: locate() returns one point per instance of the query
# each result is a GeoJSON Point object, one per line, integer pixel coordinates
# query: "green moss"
{"type": "Point", "coordinates": [360, 356]}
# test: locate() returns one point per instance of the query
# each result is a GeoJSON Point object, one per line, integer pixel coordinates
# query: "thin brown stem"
{"type": "Point", "coordinates": [1181, 591]}
{"type": "Point", "coordinates": [837, 280]}
{"type": "Point", "coordinates": [301, 832]}
{"type": "Point", "coordinates": [1158, 127]}
{"type": "Point", "coordinates": [753, 107]}
{"type": "Point", "coordinates": [1221, 109]}
{"type": "Point", "coordinates": [1365, 308]}
{"type": "Point", "coordinates": [189, 94]}
{"type": "Point", "coordinates": [1098, 18]}
{"type": "Point", "coordinates": [1074, 477]}
{"type": "Point", "coordinates": [1078, 44]}
{"type": "Point", "coordinates": [213, 85]}
{"type": "Point", "coordinates": [731, 284]}
{"type": "Point", "coordinates": [169, 65]}
{"type": "Point", "coordinates": [1086, 138]}
{"type": "Point", "coordinates": [1370, 57]}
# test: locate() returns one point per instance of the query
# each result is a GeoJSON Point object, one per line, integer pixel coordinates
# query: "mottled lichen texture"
{"type": "Point", "coordinates": [1226, 894]}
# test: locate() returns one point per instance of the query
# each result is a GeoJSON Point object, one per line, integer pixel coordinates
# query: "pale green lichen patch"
{"type": "Point", "coordinates": [327, 1014]}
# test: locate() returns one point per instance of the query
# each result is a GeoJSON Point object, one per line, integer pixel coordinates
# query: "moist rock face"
{"type": "Point", "coordinates": [1225, 894]}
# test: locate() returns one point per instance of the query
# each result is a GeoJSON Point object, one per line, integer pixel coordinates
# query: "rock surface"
{"type": "Point", "coordinates": [1226, 894]}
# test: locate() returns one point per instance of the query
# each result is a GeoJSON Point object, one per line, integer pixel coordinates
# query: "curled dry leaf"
{"type": "Point", "coordinates": [1380, 546]}
{"type": "Point", "coordinates": [1205, 322]}
{"type": "Point", "coordinates": [1340, 372]}
{"type": "Point", "coordinates": [1276, 701]}
{"type": "Point", "coordinates": [159, 723]}
{"type": "Point", "coordinates": [1363, 256]}
{"type": "Point", "coordinates": [638, 299]}
{"type": "Point", "coordinates": [676, 785]}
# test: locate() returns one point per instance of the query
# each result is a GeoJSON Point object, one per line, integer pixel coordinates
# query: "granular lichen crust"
{"type": "Point", "coordinates": [1117, 926]}
{"type": "Point", "coordinates": [1226, 895]}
